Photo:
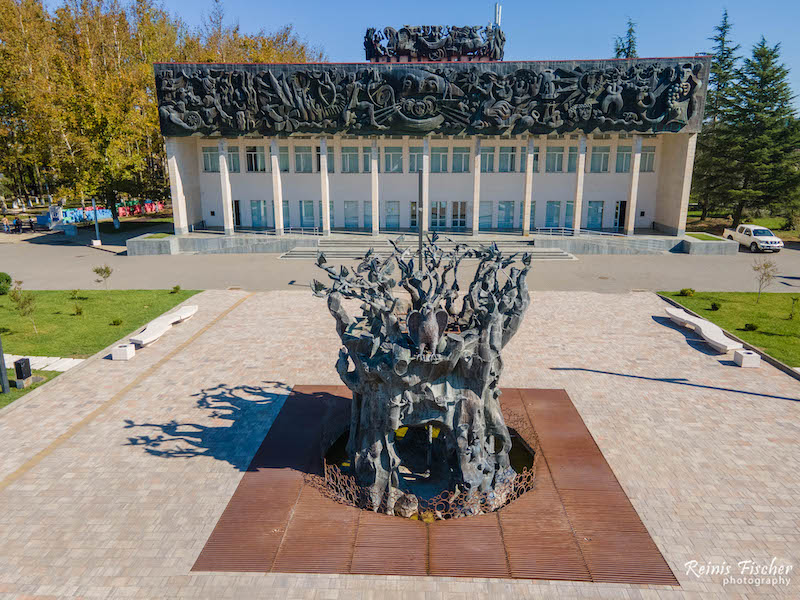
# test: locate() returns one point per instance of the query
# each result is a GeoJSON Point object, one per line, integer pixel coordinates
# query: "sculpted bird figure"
{"type": "Point", "coordinates": [426, 328]}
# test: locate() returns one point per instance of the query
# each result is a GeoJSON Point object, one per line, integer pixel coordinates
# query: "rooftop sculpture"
{"type": "Point", "coordinates": [434, 43]}
{"type": "Point", "coordinates": [428, 359]}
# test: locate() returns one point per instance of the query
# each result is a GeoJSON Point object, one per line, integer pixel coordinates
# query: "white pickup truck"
{"type": "Point", "coordinates": [755, 237]}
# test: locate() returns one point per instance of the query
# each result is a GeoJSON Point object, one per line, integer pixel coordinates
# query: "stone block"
{"type": "Point", "coordinates": [746, 358]}
{"type": "Point", "coordinates": [97, 243]}
{"type": "Point", "coordinates": [123, 352]}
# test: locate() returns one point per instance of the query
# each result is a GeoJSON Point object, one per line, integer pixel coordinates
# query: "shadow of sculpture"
{"type": "Point", "coordinates": [240, 418]}
{"type": "Point", "coordinates": [694, 339]}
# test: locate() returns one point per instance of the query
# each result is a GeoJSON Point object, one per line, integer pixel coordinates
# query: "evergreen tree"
{"type": "Point", "coordinates": [625, 46]}
{"type": "Point", "coordinates": [761, 135]}
{"type": "Point", "coordinates": [712, 175]}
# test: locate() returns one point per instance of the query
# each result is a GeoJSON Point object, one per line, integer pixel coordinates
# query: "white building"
{"type": "Point", "coordinates": [357, 147]}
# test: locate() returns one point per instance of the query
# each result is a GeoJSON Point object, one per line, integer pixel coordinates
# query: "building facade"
{"type": "Point", "coordinates": [454, 146]}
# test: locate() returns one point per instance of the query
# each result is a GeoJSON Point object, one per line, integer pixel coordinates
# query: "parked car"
{"type": "Point", "coordinates": [755, 237]}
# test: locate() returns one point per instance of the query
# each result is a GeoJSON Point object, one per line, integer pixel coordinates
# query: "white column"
{"type": "Point", "coordinates": [277, 186]}
{"type": "Point", "coordinates": [527, 197]}
{"type": "Point", "coordinates": [324, 186]}
{"type": "Point", "coordinates": [225, 186]}
{"type": "Point", "coordinates": [580, 169]}
{"type": "Point", "coordinates": [179, 219]}
{"type": "Point", "coordinates": [426, 176]}
{"type": "Point", "coordinates": [476, 187]}
{"type": "Point", "coordinates": [633, 190]}
{"type": "Point", "coordinates": [373, 171]}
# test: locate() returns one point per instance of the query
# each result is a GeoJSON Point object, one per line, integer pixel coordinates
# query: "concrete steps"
{"type": "Point", "coordinates": [336, 249]}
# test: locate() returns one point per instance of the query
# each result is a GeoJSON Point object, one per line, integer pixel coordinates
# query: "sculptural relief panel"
{"type": "Point", "coordinates": [421, 98]}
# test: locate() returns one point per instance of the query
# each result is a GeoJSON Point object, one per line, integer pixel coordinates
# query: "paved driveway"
{"type": "Point", "coordinates": [113, 475]}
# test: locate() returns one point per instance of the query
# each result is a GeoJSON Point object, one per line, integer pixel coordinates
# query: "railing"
{"type": "Point", "coordinates": [569, 231]}
{"type": "Point", "coordinates": [302, 230]}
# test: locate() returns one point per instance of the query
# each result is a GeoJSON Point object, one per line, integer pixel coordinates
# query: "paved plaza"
{"type": "Point", "coordinates": [113, 475]}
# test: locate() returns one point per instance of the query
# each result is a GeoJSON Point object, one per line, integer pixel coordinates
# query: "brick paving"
{"type": "Point", "coordinates": [113, 475]}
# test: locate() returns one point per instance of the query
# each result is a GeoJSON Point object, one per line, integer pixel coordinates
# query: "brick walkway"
{"type": "Point", "coordinates": [113, 475]}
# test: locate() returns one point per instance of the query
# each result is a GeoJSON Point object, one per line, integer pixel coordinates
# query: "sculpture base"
{"type": "Point", "coordinates": [571, 527]}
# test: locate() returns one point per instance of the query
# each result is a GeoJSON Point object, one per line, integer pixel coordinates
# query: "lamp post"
{"type": "Point", "coordinates": [3, 373]}
{"type": "Point", "coordinates": [420, 213]}
{"type": "Point", "coordinates": [97, 241]}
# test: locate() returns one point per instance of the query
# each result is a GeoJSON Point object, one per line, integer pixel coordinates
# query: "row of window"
{"type": "Point", "coordinates": [261, 212]}
{"type": "Point", "coordinates": [256, 160]}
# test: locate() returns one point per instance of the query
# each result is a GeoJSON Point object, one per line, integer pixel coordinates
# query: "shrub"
{"type": "Point", "coordinates": [74, 294]}
{"type": "Point", "coordinates": [688, 292]}
{"type": "Point", "coordinates": [716, 306]}
{"type": "Point", "coordinates": [78, 310]}
{"type": "Point", "coordinates": [116, 322]}
{"type": "Point", "coordinates": [5, 283]}
{"type": "Point", "coordinates": [175, 289]}
{"type": "Point", "coordinates": [103, 273]}
{"type": "Point", "coordinates": [750, 326]}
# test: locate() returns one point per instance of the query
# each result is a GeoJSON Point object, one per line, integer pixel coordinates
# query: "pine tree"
{"type": "Point", "coordinates": [762, 135]}
{"type": "Point", "coordinates": [625, 46]}
{"type": "Point", "coordinates": [712, 175]}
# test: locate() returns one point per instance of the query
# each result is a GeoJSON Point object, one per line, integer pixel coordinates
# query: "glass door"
{"type": "Point", "coordinates": [485, 216]}
{"type": "Point", "coordinates": [306, 213]}
{"type": "Point", "coordinates": [438, 214]}
{"type": "Point", "coordinates": [393, 214]}
{"type": "Point", "coordinates": [505, 214]}
{"type": "Point", "coordinates": [619, 214]}
{"type": "Point", "coordinates": [595, 215]}
{"type": "Point", "coordinates": [257, 214]}
{"type": "Point", "coordinates": [368, 215]}
{"type": "Point", "coordinates": [569, 214]}
{"type": "Point", "coordinates": [553, 216]}
{"type": "Point", "coordinates": [286, 221]}
{"type": "Point", "coordinates": [237, 214]}
{"type": "Point", "coordinates": [412, 216]}
{"type": "Point", "coordinates": [459, 215]}
{"type": "Point", "coordinates": [351, 214]}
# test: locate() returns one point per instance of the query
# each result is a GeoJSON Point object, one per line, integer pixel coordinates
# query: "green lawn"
{"type": "Point", "coordinates": [777, 335]}
{"type": "Point", "coordinates": [64, 333]}
{"type": "Point", "coordinates": [156, 236]}
{"type": "Point", "coordinates": [15, 393]}
{"type": "Point", "coordinates": [704, 237]}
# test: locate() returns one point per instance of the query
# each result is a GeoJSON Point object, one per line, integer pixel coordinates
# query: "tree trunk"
{"type": "Point", "coordinates": [737, 214]}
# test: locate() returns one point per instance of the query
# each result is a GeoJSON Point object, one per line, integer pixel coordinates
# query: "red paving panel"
{"type": "Point", "coordinates": [577, 524]}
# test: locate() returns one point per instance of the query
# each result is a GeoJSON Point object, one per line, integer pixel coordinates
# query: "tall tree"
{"type": "Point", "coordinates": [762, 134]}
{"type": "Point", "coordinates": [625, 45]}
{"type": "Point", "coordinates": [712, 175]}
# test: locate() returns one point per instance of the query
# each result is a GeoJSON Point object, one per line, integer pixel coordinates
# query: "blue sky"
{"type": "Point", "coordinates": [572, 29]}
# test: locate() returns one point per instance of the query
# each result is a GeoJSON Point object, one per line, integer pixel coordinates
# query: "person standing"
{"type": "Point", "coordinates": [6, 226]}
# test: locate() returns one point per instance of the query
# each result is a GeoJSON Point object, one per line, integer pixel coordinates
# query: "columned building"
{"type": "Point", "coordinates": [455, 145]}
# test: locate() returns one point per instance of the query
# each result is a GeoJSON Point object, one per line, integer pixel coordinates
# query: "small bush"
{"type": "Point", "coordinates": [116, 322]}
{"type": "Point", "coordinates": [688, 292]}
{"type": "Point", "coordinates": [74, 294]}
{"type": "Point", "coordinates": [78, 310]}
{"type": "Point", "coordinates": [5, 283]}
{"type": "Point", "coordinates": [716, 306]}
{"type": "Point", "coordinates": [750, 326]}
{"type": "Point", "coordinates": [175, 289]}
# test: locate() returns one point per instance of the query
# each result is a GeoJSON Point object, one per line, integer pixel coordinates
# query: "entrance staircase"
{"type": "Point", "coordinates": [354, 249]}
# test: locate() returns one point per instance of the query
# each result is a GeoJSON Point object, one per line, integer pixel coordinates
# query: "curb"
{"type": "Point", "coordinates": [766, 357]}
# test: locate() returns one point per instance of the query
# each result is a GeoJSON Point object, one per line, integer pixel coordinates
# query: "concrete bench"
{"type": "Point", "coordinates": [712, 334]}
{"type": "Point", "coordinates": [159, 326]}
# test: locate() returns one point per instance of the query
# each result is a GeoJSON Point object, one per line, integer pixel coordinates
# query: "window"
{"type": "Point", "coordinates": [283, 159]}
{"type": "Point", "coordinates": [368, 214]}
{"type": "Point", "coordinates": [330, 160]}
{"type": "Point", "coordinates": [572, 159]}
{"type": "Point", "coordinates": [349, 159]}
{"type": "Point", "coordinates": [415, 159]}
{"type": "Point", "coordinates": [412, 221]}
{"type": "Point", "coordinates": [367, 162]}
{"type": "Point", "coordinates": [233, 159]}
{"type": "Point", "coordinates": [623, 159]}
{"type": "Point", "coordinates": [256, 161]}
{"type": "Point", "coordinates": [524, 159]}
{"type": "Point", "coordinates": [210, 159]}
{"type": "Point", "coordinates": [461, 159]}
{"type": "Point", "coordinates": [508, 159]}
{"type": "Point", "coordinates": [393, 159]}
{"type": "Point", "coordinates": [302, 159]}
{"type": "Point", "coordinates": [648, 164]}
{"type": "Point", "coordinates": [554, 159]}
{"type": "Point", "coordinates": [487, 160]}
{"type": "Point", "coordinates": [600, 156]}
{"type": "Point", "coordinates": [438, 160]}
